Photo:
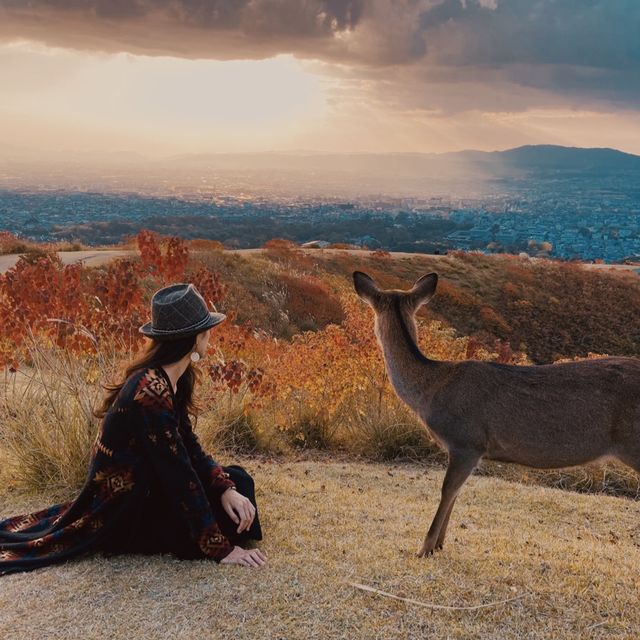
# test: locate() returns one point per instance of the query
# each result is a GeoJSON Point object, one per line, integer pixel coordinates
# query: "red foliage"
{"type": "Point", "coordinates": [9, 243]}
{"type": "Point", "coordinates": [167, 267]}
{"type": "Point", "coordinates": [234, 373]}
{"type": "Point", "coordinates": [209, 285]}
{"type": "Point", "coordinates": [41, 297]}
{"type": "Point", "coordinates": [81, 308]}
{"type": "Point", "coordinates": [279, 245]}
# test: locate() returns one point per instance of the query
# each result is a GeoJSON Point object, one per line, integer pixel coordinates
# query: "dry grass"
{"type": "Point", "coordinates": [46, 421]}
{"type": "Point", "coordinates": [575, 559]}
{"type": "Point", "coordinates": [46, 431]}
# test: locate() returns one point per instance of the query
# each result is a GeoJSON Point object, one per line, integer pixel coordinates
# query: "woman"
{"type": "Point", "coordinates": [150, 487]}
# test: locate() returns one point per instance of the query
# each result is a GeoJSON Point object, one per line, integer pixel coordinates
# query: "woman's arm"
{"type": "Point", "coordinates": [209, 471]}
{"type": "Point", "coordinates": [162, 444]}
{"type": "Point", "coordinates": [238, 507]}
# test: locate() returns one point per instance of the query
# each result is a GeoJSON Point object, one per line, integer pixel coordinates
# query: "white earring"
{"type": "Point", "coordinates": [195, 356]}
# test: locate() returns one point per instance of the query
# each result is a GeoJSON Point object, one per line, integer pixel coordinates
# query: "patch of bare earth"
{"type": "Point", "coordinates": [574, 559]}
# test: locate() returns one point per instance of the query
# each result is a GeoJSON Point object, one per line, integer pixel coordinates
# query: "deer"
{"type": "Point", "coordinates": [544, 416]}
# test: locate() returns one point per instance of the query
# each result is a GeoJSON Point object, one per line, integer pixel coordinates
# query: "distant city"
{"type": "Point", "coordinates": [570, 204]}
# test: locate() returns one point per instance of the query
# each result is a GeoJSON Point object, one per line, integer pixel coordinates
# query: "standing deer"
{"type": "Point", "coordinates": [542, 416]}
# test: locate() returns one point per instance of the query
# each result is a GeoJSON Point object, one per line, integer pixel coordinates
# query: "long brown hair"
{"type": "Point", "coordinates": [155, 354]}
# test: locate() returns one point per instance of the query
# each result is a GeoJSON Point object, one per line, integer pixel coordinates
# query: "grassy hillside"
{"type": "Point", "coordinates": [296, 366]}
{"type": "Point", "coordinates": [545, 308]}
{"type": "Point", "coordinates": [571, 564]}
{"type": "Point", "coordinates": [549, 309]}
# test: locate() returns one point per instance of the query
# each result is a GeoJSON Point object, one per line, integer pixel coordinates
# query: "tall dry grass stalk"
{"type": "Point", "coordinates": [47, 426]}
{"type": "Point", "coordinates": [388, 430]}
{"type": "Point", "coordinates": [228, 421]}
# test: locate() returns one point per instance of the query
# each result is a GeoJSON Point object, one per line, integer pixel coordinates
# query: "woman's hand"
{"type": "Point", "coordinates": [245, 557]}
{"type": "Point", "coordinates": [239, 509]}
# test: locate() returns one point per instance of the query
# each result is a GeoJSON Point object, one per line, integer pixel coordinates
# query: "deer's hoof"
{"type": "Point", "coordinates": [428, 549]}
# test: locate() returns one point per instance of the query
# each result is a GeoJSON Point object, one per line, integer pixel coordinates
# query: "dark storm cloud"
{"type": "Point", "coordinates": [579, 49]}
{"type": "Point", "coordinates": [183, 27]}
{"type": "Point", "coordinates": [219, 29]}
{"type": "Point", "coordinates": [593, 33]}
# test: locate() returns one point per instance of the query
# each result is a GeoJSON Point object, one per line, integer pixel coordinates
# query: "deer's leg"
{"type": "Point", "coordinates": [445, 524]}
{"type": "Point", "coordinates": [461, 464]}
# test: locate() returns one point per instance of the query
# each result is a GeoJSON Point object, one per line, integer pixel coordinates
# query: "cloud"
{"type": "Point", "coordinates": [589, 33]}
{"type": "Point", "coordinates": [578, 49]}
{"type": "Point", "coordinates": [191, 28]}
{"type": "Point", "coordinates": [434, 54]}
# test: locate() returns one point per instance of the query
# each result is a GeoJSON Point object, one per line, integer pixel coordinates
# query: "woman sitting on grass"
{"type": "Point", "coordinates": [150, 487]}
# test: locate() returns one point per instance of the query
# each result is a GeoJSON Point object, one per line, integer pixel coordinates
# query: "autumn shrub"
{"type": "Point", "coordinates": [311, 429]}
{"type": "Point", "coordinates": [227, 424]}
{"type": "Point", "coordinates": [279, 249]}
{"type": "Point", "coordinates": [201, 244]}
{"type": "Point", "coordinates": [388, 430]}
{"type": "Point", "coordinates": [70, 246]}
{"type": "Point", "coordinates": [332, 387]}
{"type": "Point", "coordinates": [85, 310]}
{"type": "Point", "coordinates": [10, 244]}
{"type": "Point", "coordinates": [547, 308]}
{"type": "Point", "coordinates": [343, 245]}
{"type": "Point", "coordinates": [235, 401]}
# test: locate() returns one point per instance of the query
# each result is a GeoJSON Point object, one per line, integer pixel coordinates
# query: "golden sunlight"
{"type": "Point", "coordinates": [185, 105]}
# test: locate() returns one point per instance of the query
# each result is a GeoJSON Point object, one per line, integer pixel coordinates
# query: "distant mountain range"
{"type": "Point", "coordinates": [550, 157]}
{"type": "Point", "coordinates": [530, 158]}
{"type": "Point", "coordinates": [321, 174]}
{"type": "Point", "coordinates": [542, 156]}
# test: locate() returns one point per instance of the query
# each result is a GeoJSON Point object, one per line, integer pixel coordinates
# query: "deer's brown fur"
{"type": "Point", "coordinates": [542, 416]}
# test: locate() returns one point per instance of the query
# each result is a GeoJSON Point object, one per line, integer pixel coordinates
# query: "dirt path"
{"type": "Point", "coordinates": [101, 256]}
{"type": "Point", "coordinates": [90, 258]}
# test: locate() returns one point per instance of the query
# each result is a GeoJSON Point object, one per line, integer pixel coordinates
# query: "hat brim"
{"type": "Point", "coordinates": [212, 320]}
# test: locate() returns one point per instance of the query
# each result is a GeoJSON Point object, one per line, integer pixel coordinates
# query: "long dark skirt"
{"type": "Point", "coordinates": [156, 527]}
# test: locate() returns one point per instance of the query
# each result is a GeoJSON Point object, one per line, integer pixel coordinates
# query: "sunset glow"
{"type": "Point", "coordinates": [77, 100]}
{"type": "Point", "coordinates": [426, 76]}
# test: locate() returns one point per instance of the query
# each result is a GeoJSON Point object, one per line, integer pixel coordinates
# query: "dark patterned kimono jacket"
{"type": "Point", "coordinates": [150, 488]}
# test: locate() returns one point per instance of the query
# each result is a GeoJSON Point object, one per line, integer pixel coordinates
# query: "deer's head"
{"type": "Point", "coordinates": [391, 305]}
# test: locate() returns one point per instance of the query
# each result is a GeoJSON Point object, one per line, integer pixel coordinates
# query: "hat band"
{"type": "Point", "coordinates": [183, 329]}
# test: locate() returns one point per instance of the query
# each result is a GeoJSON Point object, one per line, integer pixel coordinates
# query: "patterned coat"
{"type": "Point", "coordinates": [145, 440]}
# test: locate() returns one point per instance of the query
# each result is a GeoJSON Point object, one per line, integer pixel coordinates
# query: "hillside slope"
{"type": "Point", "coordinates": [546, 308]}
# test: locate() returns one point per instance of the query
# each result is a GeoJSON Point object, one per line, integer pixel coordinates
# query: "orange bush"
{"type": "Point", "coordinates": [87, 309]}
{"type": "Point", "coordinates": [9, 243]}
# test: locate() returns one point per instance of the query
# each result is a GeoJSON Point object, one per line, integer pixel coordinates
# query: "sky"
{"type": "Point", "coordinates": [163, 77]}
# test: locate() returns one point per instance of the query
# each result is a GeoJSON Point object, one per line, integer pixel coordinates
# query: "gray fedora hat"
{"type": "Point", "coordinates": [178, 311]}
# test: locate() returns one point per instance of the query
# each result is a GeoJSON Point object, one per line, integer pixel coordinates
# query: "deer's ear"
{"type": "Point", "coordinates": [365, 287]}
{"type": "Point", "coordinates": [424, 288]}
